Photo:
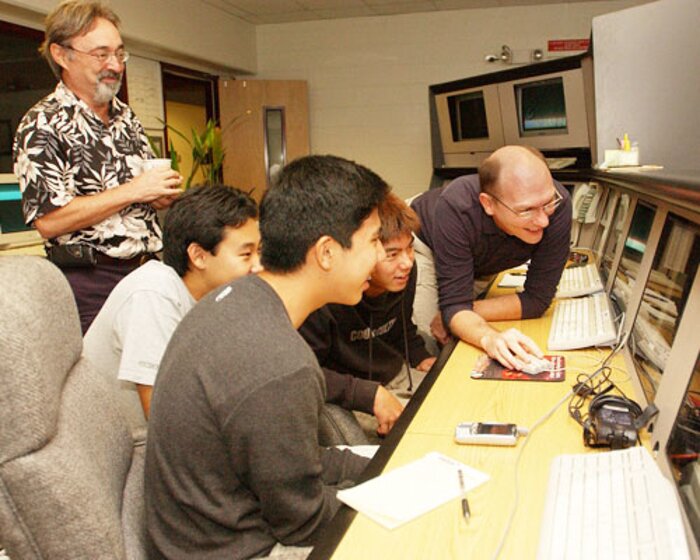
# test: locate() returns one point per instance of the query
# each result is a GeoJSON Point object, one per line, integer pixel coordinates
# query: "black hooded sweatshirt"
{"type": "Point", "coordinates": [362, 346]}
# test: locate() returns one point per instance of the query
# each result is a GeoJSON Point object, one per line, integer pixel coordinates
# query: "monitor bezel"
{"type": "Point", "coordinates": [527, 133]}
{"type": "Point", "coordinates": [495, 138]}
{"type": "Point", "coordinates": [576, 134]}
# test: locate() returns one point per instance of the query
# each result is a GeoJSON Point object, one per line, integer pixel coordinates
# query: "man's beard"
{"type": "Point", "coordinates": [105, 92]}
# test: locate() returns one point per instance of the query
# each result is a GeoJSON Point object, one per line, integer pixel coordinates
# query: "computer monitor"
{"type": "Point", "coordinates": [614, 237]}
{"type": "Point", "coordinates": [468, 116]}
{"type": "Point", "coordinates": [603, 227]}
{"type": "Point", "coordinates": [634, 246]}
{"type": "Point", "coordinates": [469, 122]}
{"type": "Point", "coordinates": [683, 453]}
{"type": "Point", "coordinates": [548, 112]}
{"type": "Point", "coordinates": [548, 106]}
{"type": "Point", "coordinates": [11, 218]}
{"type": "Point", "coordinates": [541, 107]}
{"type": "Point", "coordinates": [665, 295]}
{"type": "Point", "coordinates": [14, 232]}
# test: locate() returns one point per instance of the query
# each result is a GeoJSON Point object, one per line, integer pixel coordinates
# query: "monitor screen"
{"type": "Point", "coordinates": [665, 294]}
{"type": "Point", "coordinates": [11, 217]}
{"type": "Point", "coordinates": [683, 451]}
{"type": "Point", "coordinates": [606, 215]}
{"type": "Point", "coordinates": [541, 107]}
{"type": "Point", "coordinates": [468, 116]}
{"type": "Point", "coordinates": [614, 236]}
{"type": "Point", "coordinates": [632, 252]}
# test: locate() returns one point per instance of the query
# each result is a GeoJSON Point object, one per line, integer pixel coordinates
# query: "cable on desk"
{"type": "Point", "coordinates": [603, 366]}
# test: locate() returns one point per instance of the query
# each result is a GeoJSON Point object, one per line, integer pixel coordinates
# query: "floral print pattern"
{"type": "Point", "coordinates": [63, 150]}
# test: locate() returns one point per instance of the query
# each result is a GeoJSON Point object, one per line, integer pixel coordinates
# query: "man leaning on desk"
{"type": "Point", "coordinates": [78, 154]}
{"type": "Point", "coordinates": [478, 226]}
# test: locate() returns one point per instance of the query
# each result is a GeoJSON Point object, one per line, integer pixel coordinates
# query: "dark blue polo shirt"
{"type": "Point", "coordinates": [467, 244]}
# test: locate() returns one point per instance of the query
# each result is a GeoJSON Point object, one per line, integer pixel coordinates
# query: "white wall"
{"type": "Point", "coordinates": [192, 34]}
{"type": "Point", "coordinates": [369, 77]}
{"type": "Point", "coordinates": [647, 81]}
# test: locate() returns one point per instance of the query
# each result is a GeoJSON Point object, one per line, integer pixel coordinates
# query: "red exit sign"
{"type": "Point", "coordinates": [559, 45]}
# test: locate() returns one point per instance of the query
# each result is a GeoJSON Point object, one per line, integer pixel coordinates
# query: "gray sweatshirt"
{"type": "Point", "coordinates": [233, 463]}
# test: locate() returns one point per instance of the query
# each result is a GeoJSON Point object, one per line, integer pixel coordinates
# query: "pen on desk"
{"type": "Point", "coordinates": [465, 504]}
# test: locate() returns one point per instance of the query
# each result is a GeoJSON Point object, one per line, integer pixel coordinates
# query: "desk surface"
{"type": "Point", "coordinates": [450, 397]}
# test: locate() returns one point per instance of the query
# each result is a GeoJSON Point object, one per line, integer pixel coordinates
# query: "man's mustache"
{"type": "Point", "coordinates": [109, 74]}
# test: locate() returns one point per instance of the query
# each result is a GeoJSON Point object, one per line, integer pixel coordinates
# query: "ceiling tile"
{"type": "Point", "coordinates": [397, 7]}
{"type": "Point", "coordinates": [466, 4]}
{"type": "Point", "coordinates": [330, 4]}
{"type": "Point", "coordinates": [289, 17]}
{"type": "Point", "coordinates": [354, 11]}
{"type": "Point", "coordinates": [264, 7]}
{"type": "Point", "coordinates": [279, 11]}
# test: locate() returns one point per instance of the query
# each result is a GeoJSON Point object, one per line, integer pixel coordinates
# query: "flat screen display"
{"type": "Point", "coordinates": [665, 294]}
{"type": "Point", "coordinates": [632, 252]}
{"type": "Point", "coordinates": [683, 451]}
{"type": "Point", "coordinates": [468, 116]}
{"type": "Point", "coordinates": [604, 226]}
{"type": "Point", "coordinates": [11, 217]}
{"type": "Point", "coordinates": [541, 107]}
{"type": "Point", "coordinates": [614, 236]}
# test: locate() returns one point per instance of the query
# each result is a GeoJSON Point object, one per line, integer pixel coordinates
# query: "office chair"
{"type": "Point", "coordinates": [338, 426]}
{"type": "Point", "coordinates": [71, 476]}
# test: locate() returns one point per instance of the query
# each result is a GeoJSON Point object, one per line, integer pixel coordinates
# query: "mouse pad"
{"type": "Point", "coordinates": [486, 368]}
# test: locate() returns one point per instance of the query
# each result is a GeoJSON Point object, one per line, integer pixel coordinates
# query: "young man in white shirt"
{"type": "Point", "coordinates": [211, 237]}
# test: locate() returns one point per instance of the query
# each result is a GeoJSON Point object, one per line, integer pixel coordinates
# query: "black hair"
{"type": "Point", "coordinates": [315, 196]}
{"type": "Point", "coordinates": [199, 216]}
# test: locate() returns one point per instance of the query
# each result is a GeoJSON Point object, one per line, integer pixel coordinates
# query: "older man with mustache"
{"type": "Point", "coordinates": [78, 157]}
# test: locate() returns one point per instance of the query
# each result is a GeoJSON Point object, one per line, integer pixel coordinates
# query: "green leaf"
{"type": "Point", "coordinates": [174, 159]}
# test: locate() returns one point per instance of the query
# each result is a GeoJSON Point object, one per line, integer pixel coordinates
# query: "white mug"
{"type": "Point", "coordinates": [158, 163]}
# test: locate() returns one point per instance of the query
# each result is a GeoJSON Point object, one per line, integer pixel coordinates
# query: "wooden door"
{"type": "Point", "coordinates": [244, 103]}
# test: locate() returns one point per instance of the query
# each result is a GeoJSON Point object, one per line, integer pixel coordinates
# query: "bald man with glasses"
{"type": "Point", "coordinates": [477, 226]}
{"type": "Point", "coordinates": [78, 156]}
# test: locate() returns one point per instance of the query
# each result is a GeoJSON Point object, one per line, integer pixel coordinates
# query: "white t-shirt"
{"type": "Point", "coordinates": [127, 339]}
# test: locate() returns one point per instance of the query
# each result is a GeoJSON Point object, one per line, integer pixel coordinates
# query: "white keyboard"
{"type": "Point", "coordinates": [612, 505]}
{"type": "Point", "coordinates": [582, 322]}
{"type": "Point", "coordinates": [560, 163]}
{"type": "Point", "coordinates": [579, 281]}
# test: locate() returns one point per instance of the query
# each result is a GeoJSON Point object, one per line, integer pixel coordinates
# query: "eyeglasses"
{"type": "Point", "coordinates": [103, 56]}
{"type": "Point", "coordinates": [548, 208]}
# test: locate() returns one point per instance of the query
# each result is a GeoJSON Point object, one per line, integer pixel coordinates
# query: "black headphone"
{"type": "Point", "coordinates": [613, 421]}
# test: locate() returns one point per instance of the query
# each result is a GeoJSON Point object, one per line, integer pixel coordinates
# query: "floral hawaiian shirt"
{"type": "Point", "coordinates": [63, 150]}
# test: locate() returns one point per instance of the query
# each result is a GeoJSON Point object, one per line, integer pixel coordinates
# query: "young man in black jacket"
{"type": "Point", "coordinates": [366, 351]}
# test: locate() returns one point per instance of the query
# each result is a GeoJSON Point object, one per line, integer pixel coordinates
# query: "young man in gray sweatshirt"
{"type": "Point", "coordinates": [233, 464]}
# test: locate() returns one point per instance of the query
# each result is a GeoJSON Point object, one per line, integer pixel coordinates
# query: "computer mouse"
{"type": "Point", "coordinates": [577, 259]}
{"type": "Point", "coordinates": [536, 366]}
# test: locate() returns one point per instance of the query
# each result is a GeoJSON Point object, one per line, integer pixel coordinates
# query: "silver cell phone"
{"type": "Point", "coordinates": [486, 433]}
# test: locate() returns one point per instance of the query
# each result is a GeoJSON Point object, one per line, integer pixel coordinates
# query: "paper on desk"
{"type": "Point", "coordinates": [403, 494]}
{"type": "Point", "coordinates": [512, 281]}
{"type": "Point", "coordinates": [367, 451]}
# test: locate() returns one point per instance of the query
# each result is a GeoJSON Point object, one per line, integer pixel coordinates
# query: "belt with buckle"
{"type": "Point", "coordinates": [136, 261]}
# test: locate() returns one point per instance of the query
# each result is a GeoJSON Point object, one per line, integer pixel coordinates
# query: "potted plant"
{"type": "Point", "coordinates": [207, 150]}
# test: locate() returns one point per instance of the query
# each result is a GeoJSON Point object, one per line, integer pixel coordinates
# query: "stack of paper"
{"type": "Point", "coordinates": [412, 490]}
{"type": "Point", "coordinates": [512, 280]}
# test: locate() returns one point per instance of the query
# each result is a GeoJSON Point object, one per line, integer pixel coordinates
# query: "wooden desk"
{"type": "Point", "coordinates": [450, 396]}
